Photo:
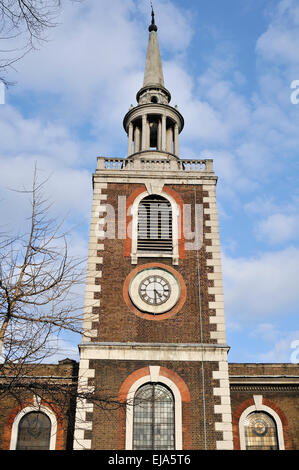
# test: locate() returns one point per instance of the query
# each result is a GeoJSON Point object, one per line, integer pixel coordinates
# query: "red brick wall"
{"type": "Point", "coordinates": [14, 400]}
{"type": "Point", "coordinates": [116, 377]}
{"type": "Point", "coordinates": [281, 395]}
{"type": "Point", "coordinates": [117, 322]}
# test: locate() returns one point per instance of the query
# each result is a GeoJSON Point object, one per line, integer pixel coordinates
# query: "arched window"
{"type": "Point", "coordinates": [34, 432]}
{"type": "Point", "coordinates": [153, 423]}
{"type": "Point", "coordinates": [154, 231]}
{"type": "Point", "coordinates": [260, 432]}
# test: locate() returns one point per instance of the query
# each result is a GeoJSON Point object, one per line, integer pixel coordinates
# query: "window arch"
{"type": "Point", "coordinates": [172, 382]}
{"type": "Point", "coordinates": [263, 417]}
{"type": "Point", "coordinates": [260, 432]}
{"type": "Point", "coordinates": [153, 422]}
{"type": "Point", "coordinates": [155, 228]}
{"type": "Point", "coordinates": [39, 420]}
{"type": "Point", "coordinates": [34, 432]}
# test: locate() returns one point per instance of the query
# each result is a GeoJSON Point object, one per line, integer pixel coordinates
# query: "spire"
{"type": "Point", "coordinates": [153, 74]}
{"type": "Point", "coordinates": [153, 26]}
{"type": "Point", "coordinates": [153, 125]}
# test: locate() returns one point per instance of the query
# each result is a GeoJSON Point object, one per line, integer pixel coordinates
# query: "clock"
{"type": "Point", "coordinates": [154, 290]}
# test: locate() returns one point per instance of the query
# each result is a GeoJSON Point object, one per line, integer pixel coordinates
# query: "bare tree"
{"type": "Point", "coordinates": [38, 285]}
{"type": "Point", "coordinates": [40, 297]}
{"type": "Point", "coordinates": [23, 27]}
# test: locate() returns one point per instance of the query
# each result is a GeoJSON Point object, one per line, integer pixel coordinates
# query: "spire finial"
{"type": "Point", "coordinates": [153, 26]}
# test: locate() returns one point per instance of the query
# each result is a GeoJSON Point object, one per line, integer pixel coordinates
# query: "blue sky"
{"type": "Point", "coordinates": [229, 66]}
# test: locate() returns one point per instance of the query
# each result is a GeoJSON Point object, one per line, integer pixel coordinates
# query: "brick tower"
{"type": "Point", "coordinates": [154, 316]}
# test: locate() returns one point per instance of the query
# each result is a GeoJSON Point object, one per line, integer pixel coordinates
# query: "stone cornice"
{"type": "Point", "coordinates": [154, 351]}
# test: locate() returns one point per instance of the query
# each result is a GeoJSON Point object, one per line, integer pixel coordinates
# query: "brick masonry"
{"type": "Point", "coordinates": [109, 426]}
{"type": "Point", "coordinates": [278, 387]}
{"type": "Point", "coordinates": [11, 404]}
{"type": "Point", "coordinates": [114, 321]}
{"type": "Point", "coordinates": [120, 324]}
{"type": "Point", "coordinates": [106, 365]}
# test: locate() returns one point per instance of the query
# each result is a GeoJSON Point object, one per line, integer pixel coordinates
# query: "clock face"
{"type": "Point", "coordinates": [154, 290]}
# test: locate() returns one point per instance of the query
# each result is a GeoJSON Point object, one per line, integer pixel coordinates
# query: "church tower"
{"type": "Point", "coordinates": [154, 328]}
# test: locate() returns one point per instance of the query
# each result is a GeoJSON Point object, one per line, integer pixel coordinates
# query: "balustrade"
{"type": "Point", "coordinates": [155, 164]}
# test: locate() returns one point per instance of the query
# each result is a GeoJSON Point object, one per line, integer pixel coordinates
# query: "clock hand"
{"type": "Point", "coordinates": [160, 295]}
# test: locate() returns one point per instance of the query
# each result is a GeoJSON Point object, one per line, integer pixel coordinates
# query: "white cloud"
{"type": "Point", "coordinates": [58, 156]}
{"type": "Point", "coordinates": [278, 228]}
{"type": "Point", "coordinates": [282, 349]}
{"type": "Point", "coordinates": [261, 286]}
{"type": "Point", "coordinates": [280, 41]}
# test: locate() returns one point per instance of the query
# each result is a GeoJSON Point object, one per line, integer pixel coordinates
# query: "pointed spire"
{"type": "Point", "coordinates": [153, 74]}
{"type": "Point", "coordinates": [153, 26]}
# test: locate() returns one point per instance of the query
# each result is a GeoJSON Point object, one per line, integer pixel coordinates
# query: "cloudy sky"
{"type": "Point", "coordinates": [230, 67]}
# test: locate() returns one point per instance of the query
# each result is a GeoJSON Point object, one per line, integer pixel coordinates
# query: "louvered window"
{"type": "Point", "coordinates": [154, 225]}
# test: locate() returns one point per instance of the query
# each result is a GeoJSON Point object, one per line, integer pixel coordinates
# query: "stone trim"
{"type": "Point", "coordinates": [169, 178]}
{"type": "Point", "coordinates": [154, 352]}
{"type": "Point", "coordinates": [224, 408]}
{"type": "Point", "coordinates": [83, 408]}
{"type": "Point", "coordinates": [94, 275]}
{"type": "Point", "coordinates": [211, 222]}
{"type": "Point", "coordinates": [92, 300]}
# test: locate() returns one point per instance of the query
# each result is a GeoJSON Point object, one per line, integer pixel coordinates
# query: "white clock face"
{"type": "Point", "coordinates": [154, 290]}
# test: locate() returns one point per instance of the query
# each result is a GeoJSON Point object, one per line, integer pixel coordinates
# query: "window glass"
{"type": "Point", "coordinates": [260, 432]}
{"type": "Point", "coordinates": [34, 432]}
{"type": "Point", "coordinates": [153, 418]}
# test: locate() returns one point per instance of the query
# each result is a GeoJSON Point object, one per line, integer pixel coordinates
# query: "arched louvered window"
{"type": "Point", "coordinates": [154, 420]}
{"type": "Point", "coordinates": [154, 225]}
{"type": "Point", "coordinates": [34, 432]}
{"type": "Point", "coordinates": [260, 432]}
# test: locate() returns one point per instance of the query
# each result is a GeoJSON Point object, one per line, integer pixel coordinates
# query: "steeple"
{"type": "Point", "coordinates": [153, 74]}
{"type": "Point", "coordinates": [153, 125]}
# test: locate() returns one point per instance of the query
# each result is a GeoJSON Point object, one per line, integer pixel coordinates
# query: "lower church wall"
{"type": "Point", "coordinates": [272, 388]}
{"type": "Point", "coordinates": [109, 427]}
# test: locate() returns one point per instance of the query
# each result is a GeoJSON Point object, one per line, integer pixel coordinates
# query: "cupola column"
{"type": "Point", "coordinates": [169, 134]}
{"type": "Point", "coordinates": [137, 139]}
{"type": "Point", "coordinates": [159, 136]}
{"type": "Point", "coordinates": [130, 142]}
{"type": "Point", "coordinates": [163, 132]}
{"type": "Point", "coordinates": [176, 139]}
{"type": "Point", "coordinates": [143, 138]}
